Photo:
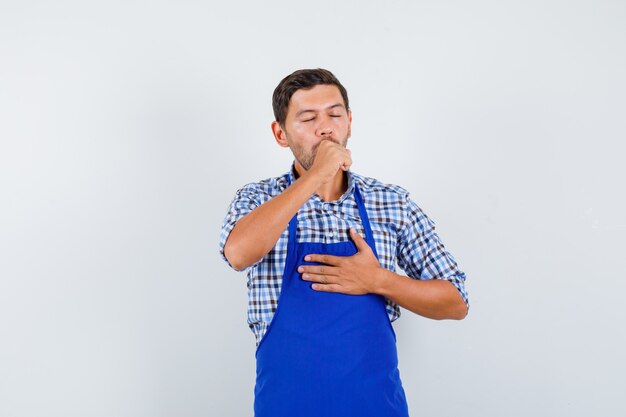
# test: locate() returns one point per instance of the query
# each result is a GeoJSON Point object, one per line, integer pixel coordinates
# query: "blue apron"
{"type": "Point", "coordinates": [327, 354]}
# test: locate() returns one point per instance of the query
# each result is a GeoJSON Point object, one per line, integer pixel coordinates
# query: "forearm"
{"type": "Point", "coordinates": [255, 234]}
{"type": "Point", "coordinates": [436, 298]}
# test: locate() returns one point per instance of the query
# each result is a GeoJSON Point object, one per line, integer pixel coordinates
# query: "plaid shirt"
{"type": "Point", "coordinates": [402, 232]}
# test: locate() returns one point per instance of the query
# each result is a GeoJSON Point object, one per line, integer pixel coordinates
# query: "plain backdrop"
{"type": "Point", "coordinates": [127, 126]}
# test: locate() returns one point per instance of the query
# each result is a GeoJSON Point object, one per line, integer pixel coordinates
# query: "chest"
{"type": "Point", "coordinates": [330, 223]}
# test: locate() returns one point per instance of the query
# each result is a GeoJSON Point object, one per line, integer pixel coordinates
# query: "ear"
{"type": "Point", "coordinates": [349, 123]}
{"type": "Point", "coordinates": [279, 134]}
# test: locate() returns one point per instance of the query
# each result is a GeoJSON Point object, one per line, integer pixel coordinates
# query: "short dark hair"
{"type": "Point", "coordinates": [302, 79]}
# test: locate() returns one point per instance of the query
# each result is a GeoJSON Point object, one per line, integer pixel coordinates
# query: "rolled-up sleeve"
{"type": "Point", "coordinates": [420, 252]}
{"type": "Point", "coordinates": [246, 200]}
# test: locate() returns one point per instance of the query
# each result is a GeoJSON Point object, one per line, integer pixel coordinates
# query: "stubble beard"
{"type": "Point", "coordinates": [306, 159]}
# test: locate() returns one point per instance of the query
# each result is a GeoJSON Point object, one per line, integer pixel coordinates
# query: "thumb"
{"type": "Point", "coordinates": [360, 243]}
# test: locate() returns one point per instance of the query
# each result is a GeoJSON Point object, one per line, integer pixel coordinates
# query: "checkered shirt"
{"type": "Point", "coordinates": [403, 234]}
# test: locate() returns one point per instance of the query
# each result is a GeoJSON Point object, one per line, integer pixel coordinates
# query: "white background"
{"type": "Point", "coordinates": [126, 128]}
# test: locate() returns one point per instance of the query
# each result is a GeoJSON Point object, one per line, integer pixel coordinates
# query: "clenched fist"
{"type": "Point", "coordinates": [330, 158]}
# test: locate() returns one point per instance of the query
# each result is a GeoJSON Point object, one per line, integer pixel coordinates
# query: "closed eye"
{"type": "Point", "coordinates": [313, 118]}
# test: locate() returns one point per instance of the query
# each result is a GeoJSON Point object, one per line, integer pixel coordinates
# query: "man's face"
{"type": "Point", "coordinates": [314, 115]}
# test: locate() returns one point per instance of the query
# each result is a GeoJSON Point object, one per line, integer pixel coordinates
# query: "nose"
{"type": "Point", "coordinates": [325, 131]}
{"type": "Point", "coordinates": [325, 128]}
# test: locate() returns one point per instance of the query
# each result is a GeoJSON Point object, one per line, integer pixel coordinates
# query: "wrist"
{"type": "Point", "coordinates": [312, 181]}
{"type": "Point", "coordinates": [382, 279]}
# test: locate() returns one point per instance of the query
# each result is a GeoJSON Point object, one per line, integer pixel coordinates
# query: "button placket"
{"type": "Point", "coordinates": [333, 223]}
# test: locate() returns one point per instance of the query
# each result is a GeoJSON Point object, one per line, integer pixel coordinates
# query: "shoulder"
{"type": "Point", "coordinates": [394, 201]}
{"type": "Point", "coordinates": [264, 189]}
{"type": "Point", "coordinates": [374, 189]}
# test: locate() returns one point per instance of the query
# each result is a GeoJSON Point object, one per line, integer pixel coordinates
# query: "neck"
{"type": "Point", "coordinates": [333, 189]}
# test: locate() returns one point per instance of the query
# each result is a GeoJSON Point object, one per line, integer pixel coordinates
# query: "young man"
{"type": "Point", "coordinates": [319, 245]}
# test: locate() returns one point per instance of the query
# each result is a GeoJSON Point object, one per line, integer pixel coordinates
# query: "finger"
{"type": "Point", "coordinates": [327, 287]}
{"type": "Point", "coordinates": [322, 279]}
{"type": "Point", "coordinates": [346, 163]}
{"type": "Point", "coordinates": [318, 269]}
{"type": "Point", "coordinates": [360, 243]}
{"type": "Point", "coordinates": [324, 259]}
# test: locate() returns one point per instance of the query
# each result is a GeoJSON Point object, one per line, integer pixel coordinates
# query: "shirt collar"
{"type": "Point", "coordinates": [292, 177]}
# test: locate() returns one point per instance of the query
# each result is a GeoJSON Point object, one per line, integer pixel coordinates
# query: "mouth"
{"type": "Point", "coordinates": [332, 140]}
{"type": "Point", "coordinates": [317, 145]}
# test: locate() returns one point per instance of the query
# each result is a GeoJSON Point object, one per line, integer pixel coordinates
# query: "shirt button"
{"type": "Point", "coordinates": [330, 234]}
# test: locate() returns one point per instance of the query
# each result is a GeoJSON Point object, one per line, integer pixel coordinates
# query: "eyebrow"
{"type": "Point", "coordinates": [312, 111]}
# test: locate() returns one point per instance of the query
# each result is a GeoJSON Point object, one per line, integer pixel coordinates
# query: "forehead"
{"type": "Point", "coordinates": [317, 98]}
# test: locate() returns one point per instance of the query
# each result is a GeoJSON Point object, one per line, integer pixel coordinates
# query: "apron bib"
{"type": "Point", "coordinates": [327, 354]}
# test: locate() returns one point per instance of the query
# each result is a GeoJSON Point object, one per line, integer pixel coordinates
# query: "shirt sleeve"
{"type": "Point", "coordinates": [420, 252]}
{"type": "Point", "coordinates": [246, 199]}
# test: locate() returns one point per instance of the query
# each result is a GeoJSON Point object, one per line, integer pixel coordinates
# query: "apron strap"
{"type": "Point", "coordinates": [293, 229]}
{"type": "Point", "coordinates": [369, 236]}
